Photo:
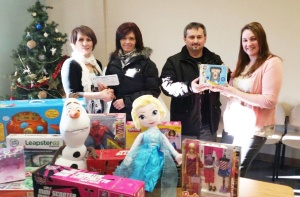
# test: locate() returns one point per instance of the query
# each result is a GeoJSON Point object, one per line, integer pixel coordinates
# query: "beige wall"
{"type": "Point", "coordinates": [162, 23]}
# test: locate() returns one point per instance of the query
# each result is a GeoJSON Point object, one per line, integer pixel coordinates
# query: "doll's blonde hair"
{"type": "Point", "coordinates": [142, 101]}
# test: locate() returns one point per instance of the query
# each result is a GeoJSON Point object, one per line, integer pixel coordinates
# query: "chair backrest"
{"type": "Point", "coordinates": [294, 118]}
{"type": "Point", "coordinates": [279, 115]}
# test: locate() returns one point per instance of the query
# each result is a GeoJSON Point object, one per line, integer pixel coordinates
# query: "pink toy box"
{"type": "Point", "coordinates": [54, 180]}
{"type": "Point", "coordinates": [171, 129]}
{"type": "Point", "coordinates": [210, 169]}
{"type": "Point", "coordinates": [12, 164]}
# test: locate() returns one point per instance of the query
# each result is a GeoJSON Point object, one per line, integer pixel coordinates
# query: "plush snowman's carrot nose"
{"type": "Point", "coordinates": [74, 113]}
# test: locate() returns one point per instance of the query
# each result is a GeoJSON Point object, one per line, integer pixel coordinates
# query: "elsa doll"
{"type": "Point", "coordinates": [150, 158]}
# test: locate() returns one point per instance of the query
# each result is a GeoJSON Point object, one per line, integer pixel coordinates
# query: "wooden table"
{"type": "Point", "coordinates": [253, 188]}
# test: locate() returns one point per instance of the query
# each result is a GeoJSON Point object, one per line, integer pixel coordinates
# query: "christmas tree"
{"type": "Point", "coordinates": [38, 58]}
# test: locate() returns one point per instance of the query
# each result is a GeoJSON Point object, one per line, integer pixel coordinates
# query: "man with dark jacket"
{"type": "Point", "coordinates": [192, 103]}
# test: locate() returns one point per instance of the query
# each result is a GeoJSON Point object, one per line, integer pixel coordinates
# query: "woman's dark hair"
{"type": "Point", "coordinates": [263, 53]}
{"type": "Point", "coordinates": [85, 31]}
{"type": "Point", "coordinates": [125, 29]}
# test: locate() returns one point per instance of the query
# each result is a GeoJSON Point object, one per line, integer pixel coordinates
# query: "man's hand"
{"type": "Point", "coordinates": [196, 87]}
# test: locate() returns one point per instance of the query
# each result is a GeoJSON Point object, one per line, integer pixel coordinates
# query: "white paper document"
{"type": "Point", "coordinates": [108, 80]}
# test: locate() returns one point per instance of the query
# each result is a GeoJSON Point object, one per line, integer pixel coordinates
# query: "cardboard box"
{"type": "Point", "coordinates": [30, 116]}
{"type": "Point", "coordinates": [212, 74]}
{"type": "Point", "coordinates": [107, 161]}
{"type": "Point", "coordinates": [52, 180]}
{"type": "Point", "coordinates": [12, 164]}
{"type": "Point", "coordinates": [22, 188]}
{"type": "Point", "coordinates": [210, 168]}
{"type": "Point", "coordinates": [38, 148]}
{"type": "Point", "coordinates": [108, 130]}
{"type": "Point", "coordinates": [172, 130]}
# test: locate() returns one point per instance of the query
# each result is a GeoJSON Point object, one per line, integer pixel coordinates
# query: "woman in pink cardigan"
{"type": "Point", "coordinates": [252, 94]}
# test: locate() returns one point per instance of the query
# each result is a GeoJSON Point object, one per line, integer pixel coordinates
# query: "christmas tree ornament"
{"type": "Point", "coordinates": [44, 79]}
{"type": "Point", "coordinates": [41, 57]}
{"type": "Point", "coordinates": [33, 14]}
{"type": "Point", "coordinates": [28, 34]}
{"type": "Point", "coordinates": [19, 80]}
{"type": "Point", "coordinates": [52, 85]}
{"type": "Point", "coordinates": [38, 26]}
{"type": "Point", "coordinates": [44, 48]}
{"type": "Point", "coordinates": [46, 34]}
{"type": "Point", "coordinates": [32, 76]}
{"type": "Point", "coordinates": [53, 50]}
{"type": "Point", "coordinates": [31, 44]}
{"type": "Point", "coordinates": [56, 30]}
{"type": "Point", "coordinates": [26, 70]}
{"type": "Point", "coordinates": [42, 94]}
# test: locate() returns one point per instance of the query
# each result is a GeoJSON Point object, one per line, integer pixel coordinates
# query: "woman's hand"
{"type": "Point", "coordinates": [227, 90]}
{"type": "Point", "coordinates": [107, 94]}
{"type": "Point", "coordinates": [119, 104]}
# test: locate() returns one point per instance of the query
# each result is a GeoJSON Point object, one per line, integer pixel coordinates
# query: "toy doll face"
{"type": "Point", "coordinates": [128, 42]}
{"type": "Point", "coordinates": [149, 115]}
{"type": "Point", "coordinates": [84, 45]}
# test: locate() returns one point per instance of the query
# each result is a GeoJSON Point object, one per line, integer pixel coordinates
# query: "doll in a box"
{"type": "Point", "coordinates": [150, 158]}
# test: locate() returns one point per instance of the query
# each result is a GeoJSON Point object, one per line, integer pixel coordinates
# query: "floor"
{"type": "Point", "coordinates": [261, 170]}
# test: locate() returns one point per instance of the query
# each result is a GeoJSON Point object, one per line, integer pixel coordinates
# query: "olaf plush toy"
{"type": "Point", "coordinates": [74, 128]}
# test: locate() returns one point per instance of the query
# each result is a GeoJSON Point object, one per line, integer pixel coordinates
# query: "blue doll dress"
{"type": "Point", "coordinates": [151, 160]}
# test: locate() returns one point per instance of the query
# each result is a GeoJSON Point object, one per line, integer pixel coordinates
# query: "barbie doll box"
{"type": "Point", "coordinates": [209, 168]}
{"type": "Point", "coordinates": [107, 161]}
{"type": "Point", "coordinates": [54, 180]}
{"type": "Point", "coordinates": [212, 74]}
{"type": "Point", "coordinates": [107, 130]}
{"type": "Point", "coordinates": [171, 129]}
{"type": "Point", "coordinates": [39, 148]}
{"type": "Point", "coordinates": [12, 164]}
{"type": "Point", "coordinates": [40, 116]}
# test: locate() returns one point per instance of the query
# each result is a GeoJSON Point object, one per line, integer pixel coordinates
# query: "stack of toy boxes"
{"type": "Point", "coordinates": [39, 148]}
{"type": "Point", "coordinates": [107, 161]}
{"type": "Point", "coordinates": [12, 164]}
{"type": "Point", "coordinates": [19, 188]}
{"type": "Point", "coordinates": [210, 168]}
{"type": "Point", "coordinates": [107, 131]}
{"type": "Point", "coordinates": [53, 180]}
{"type": "Point", "coordinates": [30, 117]}
{"type": "Point", "coordinates": [171, 129]}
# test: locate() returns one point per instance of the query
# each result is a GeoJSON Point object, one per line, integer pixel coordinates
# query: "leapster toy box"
{"type": "Point", "coordinates": [30, 116]}
{"type": "Point", "coordinates": [212, 74]}
{"type": "Point", "coordinates": [53, 180]}
{"type": "Point", "coordinates": [171, 129]}
{"type": "Point", "coordinates": [39, 148]}
{"type": "Point", "coordinates": [107, 130]}
{"type": "Point", "coordinates": [12, 164]}
{"type": "Point", "coordinates": [107, 161]}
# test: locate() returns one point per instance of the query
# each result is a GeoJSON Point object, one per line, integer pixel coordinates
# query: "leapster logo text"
{"type": "Point", "coordinates": [42, 143]}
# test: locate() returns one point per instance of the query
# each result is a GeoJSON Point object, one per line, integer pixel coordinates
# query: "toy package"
{"type": "Point", "coordinates": [107, 131]}
{"type": "Point", "coordinates": [54, 180]}
{"type": "Point", "coordinates": [171, 129]}
{"type": "Point", "coordinates": [12, 164]}
{"type": "Point", "coordinates": [212, 74]}
{"type": "Point", "coordinates": [38, 148]}
{"type": "Point", "coordinates": [107, 161]}
{"type": "Point", "coordinates": [19, 188]}
{"type": "Point", "coordinates": [210, 168]}
{"type": "Point", "coordinates": [40, 116]}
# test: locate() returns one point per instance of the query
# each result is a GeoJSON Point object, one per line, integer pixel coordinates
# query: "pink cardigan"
{"type": "Point", "coordinates": [265, 89]}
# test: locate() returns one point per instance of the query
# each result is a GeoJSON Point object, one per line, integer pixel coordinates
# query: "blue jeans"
{"type": "Point", "coordinates": [250, 149]}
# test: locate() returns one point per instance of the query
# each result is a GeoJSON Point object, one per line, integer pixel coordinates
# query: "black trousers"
{"type": "Point", "coordinates": [250, 147]}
